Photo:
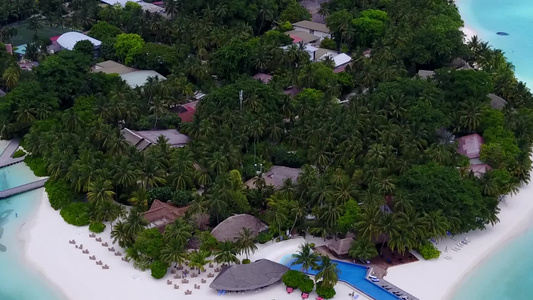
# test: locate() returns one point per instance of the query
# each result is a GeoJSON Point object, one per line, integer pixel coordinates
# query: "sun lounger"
{"type": "Point", "coordinates": [176, 287]}
{"type": "Point", "coordinates": [203, 281]}
{"type": "Point", "coordinates": [375, 280]}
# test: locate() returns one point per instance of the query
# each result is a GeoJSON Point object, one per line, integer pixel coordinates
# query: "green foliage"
{"type": "Point", "coordinates": [159, 57]}
{"type": "Point", "coordinates": [160, 193]}
{"type": "Point", "coordinates": [245, 261]}
{"type": "Point", "coordinates": [158, 269]}
{"type": "Point", "coordinates": [428, 251]}
{"type": "Point", "coordinates": [264, 237]}
{"type": "Point", "coordinates": [104, 31]}
{"type": "Point", "coordinates": [363, 249]}
{"type": "Point", "coordinates": [97, 227]}
{"type": "Point", "coordinates": [36, 164]}
{"type": "Point", "coordinates": [347, 220]}
{"type": "Point", "coordinates": [307, 285]}
{"type": "Point", "coordinates": [85, 47]}
{"type": "Point", "coordinates": [128, 45]}
{"type": "Point", "coordinates": [19, 153]}
{"type": "Point", "coordinates": [181, 198]}
{"type": "Point", "coordinates": [285, 26]}
{"type": "Point", "coordinates": [326, 293]}
{"type": "Point", "coordinates": [76, 213]}
{"type": "Point", "coordinates": [207, 241]}
{"type": "Point", "coordinates": [284, 157]}
{"type": "Point", "coordinates": [149, 242]}
{"type": "Point", "coordinates": [232, 59]}
{"type": "Point", "coordinates": [294, 278]}
{"type": "Point", "coordinates": [294, 13]}
{"type": "Point", "coordinates": [370, 26]}
{"type": "Point", "coordinates": [60, 193]}
{"type": "Point", "coordinates": [328, 43]}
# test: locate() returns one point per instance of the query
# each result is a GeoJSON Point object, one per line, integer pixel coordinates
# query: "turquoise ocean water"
{"type": "Point", "coordinates": [487, 17]}
{"type": "Point", "coordinates": [18, 281]}
{"type": "Point", "coordinates": [506, 275]}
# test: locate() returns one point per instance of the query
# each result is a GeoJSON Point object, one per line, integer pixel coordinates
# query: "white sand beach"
{"type": "Point", "coordinates": [46, 238]}
{"type": "Point", "coordinates": [438, 279]}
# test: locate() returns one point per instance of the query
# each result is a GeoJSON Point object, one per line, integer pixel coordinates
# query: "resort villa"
{"type": "Point", "coordinates": [161, 214]}
{"type": "Point", "coordinates": [470, 146]}
{"type": "Point", "coordinates": [133, 77]}
{"type": "Point", "coordinates": [144, 139]}
{"type": "Point", "coordinates": [318, 29]}
{"type": "Point", "coordinates": [249, 277]}
{"type": "Point", "coordinates": [276, 176]}
{"type": "Point", "coordinates": [229, 229]}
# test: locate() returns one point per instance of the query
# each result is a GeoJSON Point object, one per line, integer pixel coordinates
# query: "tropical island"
{"type": "Point", "coordinates": [196, 138]}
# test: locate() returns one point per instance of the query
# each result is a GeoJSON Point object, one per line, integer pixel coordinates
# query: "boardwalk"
{"type": "Point", "coordinates": [6, 158]}
{"type": "Point", "coordinates": [23, 188]}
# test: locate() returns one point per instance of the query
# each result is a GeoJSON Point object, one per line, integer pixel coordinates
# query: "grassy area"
{"type": "Point", "coordinates": [25, 36]}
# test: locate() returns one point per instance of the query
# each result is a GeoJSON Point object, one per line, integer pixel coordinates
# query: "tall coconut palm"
{"type": "Point", "coordinates": [227, 253]}
{"type": "Point", "coordinates": [363, 249]}
{"type": "Point", "coordinates": [198, 259]}
{"type": "Point", "coordinates": [245, 242]}
{"type": "Point", "coordinates": [174, 252]}
{"type": "Point", "coordinates": [178, 231]}
{"type": "Point", "coordinates": [328, 275]}
{"type": "Point", "coordinates": [120, 234]}
{"type": "Point", "coordinates": [306, 257]}
{"type": "Point", "coordinates": [100, 191]}
{"type": "Point", "coordinates": [135, 222]}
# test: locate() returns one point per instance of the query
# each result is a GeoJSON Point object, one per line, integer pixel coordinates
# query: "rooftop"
{"type": "Point", "coordinates": [69, 39]}
{"type": "Point", "coordinates": [470, 145]}
{"type": "Point", "coordinates": [161, 214]}
{"type": "Point", "coordinates": [341, 59]}
{"type": "Point", "coordinates": [139, 78]}
{"type": "Point", "coordinates": [143, 139]}
{"type": "Point", "coordinates": [341, 247]}
{"type": "Point", "coordinates": [479, 169]}
{"type": "Point", "coordinates": [312, 25]}
{"type": "Point", "coordinates": [302, 36]}
{"type": "Point", "coordinates": [112, 67]}
{"type": "Point", "coordinates": [258, 274]}
{"type": "Point", "coordinates": [229, 229]}
{"type": "Point", "coordinates": [264, 78]}
{"type": "Point", "coordinates": [276, 176]}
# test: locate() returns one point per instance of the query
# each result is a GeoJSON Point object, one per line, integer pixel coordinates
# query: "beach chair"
{"type": "Point", "coordinates": [176, 287]}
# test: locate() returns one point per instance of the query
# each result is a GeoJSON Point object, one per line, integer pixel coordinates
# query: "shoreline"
{"type": "Point", "coordinates": [440, 278]}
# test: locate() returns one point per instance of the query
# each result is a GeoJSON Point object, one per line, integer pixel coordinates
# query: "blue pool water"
{"type": "Point", "coordinates": [352, 274]}
{"type": "Point", "coordinates": [515, 17]}
{"type": "Point", "coordinates": [18, 281]}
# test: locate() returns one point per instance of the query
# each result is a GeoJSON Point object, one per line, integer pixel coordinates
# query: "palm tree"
{"type": "Point", "coordinates": [135, 222]}
{"type": "Point", "coordinates": [227, 253]}
{"type": "Point", "coordinates": [178, 231]}
{"type": "Point", "coordinates": [306, 257]}
{"type": "Point", "coordinates": [363, 249]}
{"type": "Point", "coordinates": [121, 235]}
{"type": "Point", "coordinates": [245, 242]}
{"type": "Point", "coordinates": [174, 252]}
{"type": "Point", "coordinates": [11, 77]}
{"type": "Point", "coordinates": [139, 198]}
{"type": "Point", "coordinates": [329, 273]}
{"type": "Point", "coordinates": [198, 259]}
{"type": "Point", "coordinates": [100, 191]}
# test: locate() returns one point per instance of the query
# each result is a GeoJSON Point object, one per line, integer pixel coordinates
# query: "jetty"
{"type": "Point", "coordinates": [23, 188]}
{"type": "Point", "coordinates": [6, 158]}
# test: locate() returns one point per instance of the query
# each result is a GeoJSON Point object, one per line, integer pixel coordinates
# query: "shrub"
{"type": "Point", "coordinates": [159, 269]}
{"type": "Point", "coordinates": [328, 44]}
{"type": "Point", "coordinates": [76, 213]}
{"type": "Point", "coordinates": [59, 193]}
{"type": "Point", "coordinates": [307, 285]}
{"type": "Point", "coordinates": [326, 293]}
{"type": "Point", "coordinates": [181, 198]}
{"type": "Point", "coordinates": [293, 278]}
{"type": "Point", "coordinates": [19, 153]}
{"type": "Point", "coordinates": [245, 261]}
{"type": "Point", "coordinates": [428, 251]}
{"type": "Point", "coordinates": [293, 159]}
{"type": "Point", "coordinates": [37, 165]}
{"type": "Point", "coordinates": [84, 46]}
{"type": "Point", "coordinates": [285, 26]}
{"type": "Point", "coordinates": [97, 227]}
{"type": "Point", "coordinates": [161, 193]}
{"type": "Point", "coordinates": [264, 237]}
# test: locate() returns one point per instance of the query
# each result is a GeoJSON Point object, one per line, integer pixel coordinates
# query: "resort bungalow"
{"type": "Point", "coordinates": [229, 229]}
{"type": "Point", "coordinates": [68, 40]}
{"type": "Point", "coordinates": [249, 277]}
{"type": "Point", "coordinates": [144, 139]}
{"type": "Point", "coordinates": [470, 146]}
{"type": "Point", "coordinates": [341, 247]}
{"type": "Point", "coordinates": [161, 214]}
{"type": "Point", "coordinates": [318, 29]}
{"type": "Point", "coordinates": [276, 176]}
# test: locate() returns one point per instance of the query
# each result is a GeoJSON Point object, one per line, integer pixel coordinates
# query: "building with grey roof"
{"type": "Point", "coordinates": [318, 29]}
{"type": "Point", "coordinates": [276, 176]}
{"type": "Point", "coordinates": [144, 139]}
{"type": "Point", "coordinates": [230, 229]}
{"type": "Point", "coordinates": [249, 277]}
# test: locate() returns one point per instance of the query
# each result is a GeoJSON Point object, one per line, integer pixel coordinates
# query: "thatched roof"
{"type": "Point", "coordinates": [161, 214]}
{"type": "Point", "coordinates": [341, 247]}
{"type": "Point", "coordinates": [258, 274]}
{"type": "Point", "coordinates": [230, 228]}
{"type": "Point", "coordinates": [276, 176]}
{"type": "Point", "coordinates": [497, 102]}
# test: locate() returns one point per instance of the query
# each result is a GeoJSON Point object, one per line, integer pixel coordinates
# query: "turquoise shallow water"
{"type": "Point", "coordinates": [18, 281]}
{"type": "Point", "coordinates": [487, 17]}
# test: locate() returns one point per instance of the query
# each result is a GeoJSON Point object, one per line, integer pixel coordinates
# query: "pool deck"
{"type": "Point", "coordinates": [384, 283]}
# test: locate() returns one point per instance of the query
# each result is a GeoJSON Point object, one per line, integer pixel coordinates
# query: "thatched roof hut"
{"type": "Point", "coordinates": [161, 214]}
{"type": "Point", "coordinates": [229, 229]}
{"type": "Point", "coordinates": [259, 274]}
{"type": "Point", "coordinates": [341, 247]}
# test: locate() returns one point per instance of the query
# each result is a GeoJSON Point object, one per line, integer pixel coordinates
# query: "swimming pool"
{"type": "Point", "coordinates": [352, 274]}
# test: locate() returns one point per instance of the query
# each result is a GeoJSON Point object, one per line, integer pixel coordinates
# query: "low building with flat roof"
{"type": "Point", "coordinates": [139, 78]}
{"type": "Point", "coordinates": [144, 139]}
{"type": "Point", "coordinates": [69, 39]}
{"type": "Point", "coordinates": [299, 36]}
{"type": "Point", "coordinates": [318, 29]}
{"type": "Point", "coordinates": [113, 67]}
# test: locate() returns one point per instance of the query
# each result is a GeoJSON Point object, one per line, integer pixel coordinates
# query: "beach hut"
{"type": "Point", "coordinates": [229, 229]}
{"type": "Point", "coordinates": [341, 247]}
{"type": "Point", "coordinates": [240, 278]}
{"type": "Point", "coordinates": [161, 214]}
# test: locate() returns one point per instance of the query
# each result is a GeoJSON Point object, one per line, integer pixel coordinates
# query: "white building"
{"type": "Point", "coordinates": [69, 39]}
{"type": "Point", "coordinates": [318, 29]}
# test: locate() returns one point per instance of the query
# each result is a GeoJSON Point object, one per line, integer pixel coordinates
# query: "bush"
{"type": "Point", "coordinates": [161, 193]}
{"type": "Point", "coordinates": [328, 44]}
{"type": "Point", "coordinates": [181, 198]}
{"type": "Point", "coordinates": [428, 251]}
{"type": "Point", "coordinates": [76, 213]}
{"type": "Point", "coordinates": [285, 26]}
{"type": "Point", "coordinates": [245, 261]}
{"type": "Point", "coordinates": [19, 153]}
{"type": "Point", "coordinates": [264, 237]}
{"type": "Point", "coordinates": [293, 159]}
{"type": "Point", "coordinates": [307, 285]}
{"type": "Point", "coordinates": [97, 227]}
{"type": "Point", "coordinates": [59, 193]}
{"type": "Point", "coordinates": [293, 278]}
{"type": "Point", "coordinates": [37, 165]}
{"type": "Point", "coordinates": [159, 269]}
{"type": "Point", "coordinates": [326, 293]}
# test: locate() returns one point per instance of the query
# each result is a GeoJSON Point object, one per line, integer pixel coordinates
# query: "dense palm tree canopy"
{"type": "Point", "coordinates": [382, 164]}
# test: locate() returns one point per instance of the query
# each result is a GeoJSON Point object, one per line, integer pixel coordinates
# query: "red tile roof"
{"type": "Point", "coordinates": [295, 39]}
{"type": "Point", "coordinates": [9, 49]}
{"type": "Point", "coordinates": [470, 145]}
{"type": "Point", "coordinates": [187, 116]}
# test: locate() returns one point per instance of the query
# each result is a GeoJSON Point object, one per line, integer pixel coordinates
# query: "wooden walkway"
{"type": "Point", "coordinates": [6, 159]}
{"type": "Point", "coordinates": [22, 188]}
